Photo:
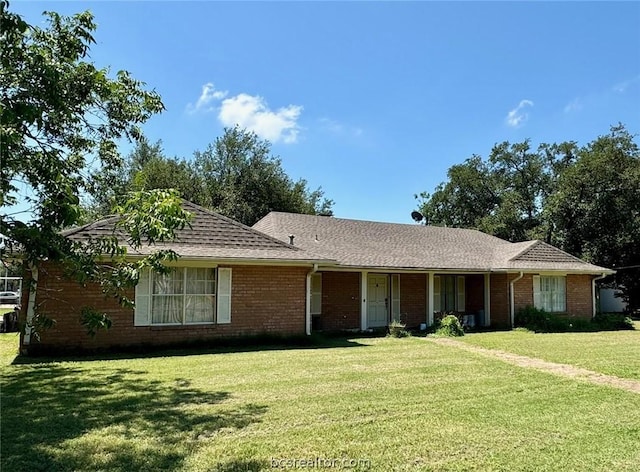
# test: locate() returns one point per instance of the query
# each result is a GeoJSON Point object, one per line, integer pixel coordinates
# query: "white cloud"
{"type": "Point", "coordinates": [518, 115]}
{"type": "Point", "coordinates": [573, 106]}
{"type": "Point", "coordinates": [622, 87]}
{"type": "Point", "coordinates": [340, 129]}
{"type": "Point", "coordinates": [208, 96]}
{"type": "Point", "coordinates": [252, 112]}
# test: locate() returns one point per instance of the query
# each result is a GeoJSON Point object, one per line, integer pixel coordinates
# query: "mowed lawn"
{"type": "Point", "coordinates": [608, 352]}
{"type": "Point", "coordinates": [376, 403]}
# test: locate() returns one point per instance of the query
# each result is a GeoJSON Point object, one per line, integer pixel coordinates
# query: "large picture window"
{"type": "Point", "coordinates": [549, 293]}
{"type": "Point", "coordinates": [186, 295]}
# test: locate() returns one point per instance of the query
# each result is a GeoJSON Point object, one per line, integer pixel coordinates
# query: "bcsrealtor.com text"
{"type": "Point", "coordinates": [319, 463]}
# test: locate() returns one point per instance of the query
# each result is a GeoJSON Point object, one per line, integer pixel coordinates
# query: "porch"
{"type": "Point", "coordinates": [361, 300]}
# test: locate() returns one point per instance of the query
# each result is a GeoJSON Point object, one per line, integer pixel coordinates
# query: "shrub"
{"type": "Point", "coordinates": [612, 321]}
{"type": "Point", "coordinates": [450, 326]}
{"type": "Point", "coordinates": [541, 321]}
{"type": "Point", "coordinates": [397, 330]}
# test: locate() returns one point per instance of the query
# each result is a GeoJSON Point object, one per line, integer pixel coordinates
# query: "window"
{"type": "Point", "coordinates": [186, 295]}
{"type": "Point", "coordinates": [448, 293]}
{"type": "Point", "coordinates": [549, 293]}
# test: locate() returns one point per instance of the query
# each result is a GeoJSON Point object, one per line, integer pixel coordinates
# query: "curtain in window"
{"type": "Point", "coordinates": [200, 295]}
{"type": "Point", "coordinates": [168, 299]}
{"type": "Point", "coordinates": [552, 294]}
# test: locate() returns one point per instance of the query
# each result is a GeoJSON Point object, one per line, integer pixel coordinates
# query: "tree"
{"type": "Point", "coordinates": [596, 208]}
{"type": "Point", "coordinates": [61, 119]}
{"type": "Point", "coordinates": [503, 196]}
{"type": "Point", "coordinates": [147, 168]}
{"type": "Point", "coordinates": [585, 200]}
{"type": "Point", "coordinates": [244, 182]}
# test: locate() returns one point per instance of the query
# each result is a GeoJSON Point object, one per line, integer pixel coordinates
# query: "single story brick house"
{"type": "Point", "coordinates": [291, 274]}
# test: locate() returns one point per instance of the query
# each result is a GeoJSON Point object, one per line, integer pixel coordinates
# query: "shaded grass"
{"type": "Point", "coordinates": [608, 352]}
{"type": "Point", "coordinates": [401, 404]}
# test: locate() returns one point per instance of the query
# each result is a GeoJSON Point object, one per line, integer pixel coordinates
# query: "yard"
{"type": "Point", "coordinates": [373, 403]}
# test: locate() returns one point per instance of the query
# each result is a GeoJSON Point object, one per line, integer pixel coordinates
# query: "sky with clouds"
{"type": "Point", "coordinates": [374, 101]}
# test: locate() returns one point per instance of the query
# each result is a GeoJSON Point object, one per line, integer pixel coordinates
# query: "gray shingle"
{"type": "Point", "coordinates": [211, 235]}
{"type": "Point", "coordinates": [370, 244]}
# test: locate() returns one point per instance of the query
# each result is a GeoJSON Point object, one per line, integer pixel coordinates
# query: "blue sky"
{"type": "Point", "coordinates": [375, 101]}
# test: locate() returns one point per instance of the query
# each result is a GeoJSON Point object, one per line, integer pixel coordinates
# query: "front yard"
{"type": "Point", "coordinates": [373, 403]}
{"type": "Point", "coordinates": [608, 352]}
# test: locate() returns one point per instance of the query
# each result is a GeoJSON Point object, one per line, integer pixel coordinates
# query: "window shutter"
{"type": "Point", "coordinates": [460, 302]}
{"type": "Point", "coordinates": [537, 297]}
{"type": "Point", "coordinates": [316, 294]}
{"type": "Point", "coordinates": [223, 312]}
{"type": "Point", "coordinates": [395, 297]}
{"type": "Point", "coordinates": [436, 293]}
{"type": "Point", "coordinates": [143, 300]}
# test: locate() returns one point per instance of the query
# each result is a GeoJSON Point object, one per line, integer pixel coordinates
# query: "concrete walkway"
{"type": "Point", "coordinates": [563, 370]}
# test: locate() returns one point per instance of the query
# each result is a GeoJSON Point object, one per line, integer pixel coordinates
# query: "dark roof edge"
{"type": "Point", "coordinates": [93, 224]}
{"type": "Point", "coordinates": [243, 226]}
{"type": "Point", "coordinates": [537, 242]}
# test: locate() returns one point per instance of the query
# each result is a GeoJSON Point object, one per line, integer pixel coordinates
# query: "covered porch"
{"type": "Point", "coordinates": [363, 300]}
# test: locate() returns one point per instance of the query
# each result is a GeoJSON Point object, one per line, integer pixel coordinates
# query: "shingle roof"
{"type": "Point", "coordinates": [356, 243]}
{"type": "Point", "coordinates": [542, 256]}
{"type": "Point", "coordinates": [211, 235]}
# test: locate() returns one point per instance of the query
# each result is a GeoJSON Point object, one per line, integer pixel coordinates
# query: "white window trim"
{"type": "Point", "coordinates": [537, 292]}
{"type": "Point", "coordinates": [459, 292]}
{"type": "Point", "coordinates": [144, 318]}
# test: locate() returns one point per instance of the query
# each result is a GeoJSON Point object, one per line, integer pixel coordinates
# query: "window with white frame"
{"type": "Point", "coordinates": [549, 293]}
{"type": "Point", "coordinates": [185, 295]}
{"type": "Point", "coordinates": [448, 293]}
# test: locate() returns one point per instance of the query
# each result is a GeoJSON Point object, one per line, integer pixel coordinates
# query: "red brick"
{"type": "Point", "coordinates": [264, 300]}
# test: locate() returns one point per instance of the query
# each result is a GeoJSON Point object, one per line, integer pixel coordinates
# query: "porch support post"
{"type": "Point", "coordinates": [487, 299]}
{"type": "Point", "coordinates": [430, 299]}
{"type": "Point", "coordinates": [364, 275]}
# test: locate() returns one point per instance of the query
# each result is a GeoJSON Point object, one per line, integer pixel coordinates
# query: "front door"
{"type": "Point", "coordinates": [377, 301]}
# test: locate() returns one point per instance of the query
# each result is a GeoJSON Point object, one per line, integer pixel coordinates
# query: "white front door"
{"type": "Point", "coordinates": [377, 301]}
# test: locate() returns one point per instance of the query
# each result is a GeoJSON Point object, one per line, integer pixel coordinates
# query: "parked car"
{"type": "Point", "coordinates": [9, 298]}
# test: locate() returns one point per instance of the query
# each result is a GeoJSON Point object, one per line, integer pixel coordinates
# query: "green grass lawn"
{"type": "Point", "coordinates": [608, 352]}
{"type": "Point", "coordinates": [401, 404]}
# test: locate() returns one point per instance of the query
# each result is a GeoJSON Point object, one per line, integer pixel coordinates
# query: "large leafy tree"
{"type": "Point", "coordinates": [244, 181]}
{"type": "Point", "coordinates": [596, 207]}
{"type": "Point", "coordinates": [235, 175]}
{"type": "Point", "coordinates": [147, 168]}
{"type": "Point", "coordinates": [61, 120]}
{"type": "Point", "coordinates": [504, 195]}
{"type": "Point", "coordinates": [583, 199]}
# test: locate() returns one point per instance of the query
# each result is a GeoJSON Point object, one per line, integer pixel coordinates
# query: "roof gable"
{"type": "Point", "coordinates": [210, 235]}
{"type": "Point", "coordinates": [543, 252]}
{"type": "Point", "coordinates": [370, 244]}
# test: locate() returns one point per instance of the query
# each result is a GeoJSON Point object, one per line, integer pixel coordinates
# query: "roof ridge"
{"type": "Point", "coordinates": [532, 243]}
{"type": "Point", "coordinates": [538, 242]}
{"type": "Point", "coordinates": [388, 223]}
{"type": "Point", "coordinates": [91, 225]}
{"type": "Point", "coordinates": [243, 226]}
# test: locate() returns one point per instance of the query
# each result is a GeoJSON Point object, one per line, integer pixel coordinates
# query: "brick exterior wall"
{"type": "Point", "coordinates": [578, 291]}
{"type": "Point", "coordinates": [263, 300]}
{"type": "Point", "coordinates": [579, 296]}
{"type": "Point", "coordinates": [522, 291]}
{"type": "Point", "coordinates": [340, 301]}
{"type": "Point", "coordinates": [413, 299]}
